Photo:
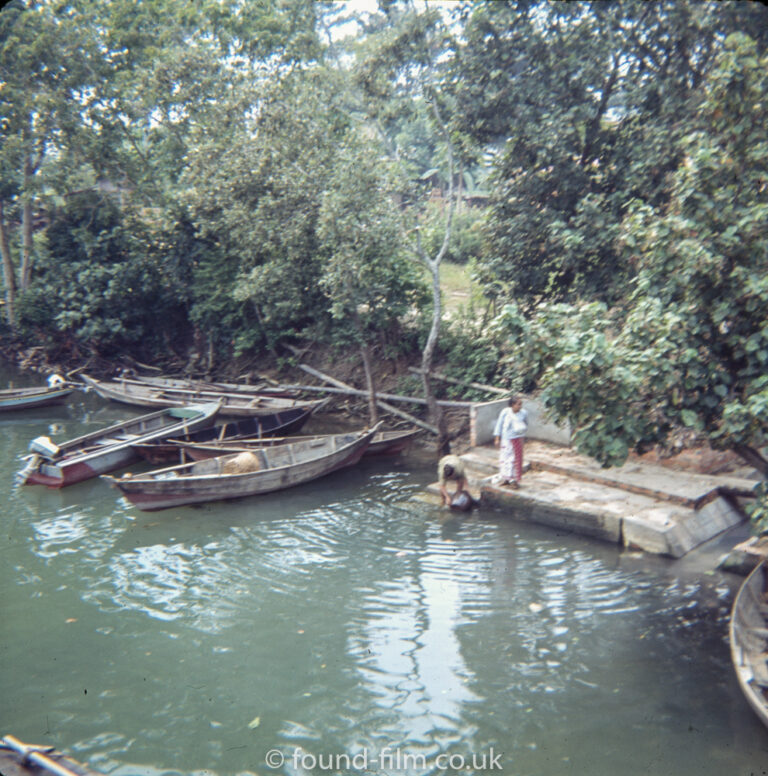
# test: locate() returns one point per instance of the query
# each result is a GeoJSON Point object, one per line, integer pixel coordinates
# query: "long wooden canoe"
{"type": "Point", "coordinates": [384, 443]}
{"type": "Point", "coordinates": [243, 474]}
{"type": "Point", "coordinates": [749, 640]}
{"type": "Point", "coordinates": [202, 385]}
{"type": "Point", "coordinates": [233, 403]}
{"type": "Point", "coordinates": [168, 450]}
{"type": "Point", "coordinates": [24, 398]}
{"type": "Point", "coordinates": [58, 465]}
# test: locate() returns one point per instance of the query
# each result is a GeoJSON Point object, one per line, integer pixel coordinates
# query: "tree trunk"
{"type": "Point", "coordinates": [754, 458]}
{"type": "Point", "coordinates": [373, 412]}
{"type": "Point", "coordinates": [26, 230]}
{"type": "Point", "coordinates": [435, 413]}
{"type": "Point", "coordinates": [9, 276]}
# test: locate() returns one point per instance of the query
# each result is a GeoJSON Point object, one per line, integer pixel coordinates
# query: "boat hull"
{"type": "Point", "coordinates": [285, 422]}
{"type": "Point", "coordinates": [234, 404]}
{"type": "Point", "coordinates": [748, 633]}
{"type": "Point", "coordinates": [104, 451]}
{"type": "Point", "coordinates": [60, 475]}
{"type": "Point", "coordinates": [387, 443]}
{"type": "Point", "coordinates": [162, 490]}
{"type": "Point", "coordinates": [23, 399]}
{"type": "Point", "coordinates": [383, 444]}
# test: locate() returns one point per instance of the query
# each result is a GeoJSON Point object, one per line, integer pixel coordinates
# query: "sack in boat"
{"type": "Point", "coordinates": [462, 501]}
{"type": "Point", "coordinates": [242, 463]}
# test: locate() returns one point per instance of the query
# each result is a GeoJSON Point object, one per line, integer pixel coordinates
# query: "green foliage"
{"type": "Point", "coordinates": [585, 105]}
{"type": "Point", "coordinates": [534, 344]}
{"type": "Point", "coordinates": [689, 348]}
{"type": "Point", "coordinates": [469, 355]}
{"type": "Point", "coordinates": [254, 189]}
{"type": "Point", "coordinates": [98, 285]}
{"type": "Point", "coordinates": [758, 509]}
{"type": "Point", "coordinates": [367, 278]}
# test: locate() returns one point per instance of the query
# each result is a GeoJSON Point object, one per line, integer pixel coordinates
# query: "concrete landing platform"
{"type": "Point", "coordinates": [638, 505]}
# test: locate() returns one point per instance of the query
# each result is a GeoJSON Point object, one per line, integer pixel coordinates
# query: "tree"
{"type": "Point", "coordinates": [254, 189]}
{"type": "Point", "coordinates": [584, 105]}
{"type": "Point", "coordinates": [369, 281]}
{"type": "Point", "coordinates": [42, 69]}
{"type": "Point", "coordinates": [691, 351]}
{"type": "Point", "coordinates": [399, 80]}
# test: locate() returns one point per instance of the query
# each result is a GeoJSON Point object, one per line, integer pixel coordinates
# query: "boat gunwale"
{"type": "Point", "coordinates": [756, 698]}
{"type": "Point", "coordinates": [68, 454]}
{"type": "Point", "coordinates": [146, 478]}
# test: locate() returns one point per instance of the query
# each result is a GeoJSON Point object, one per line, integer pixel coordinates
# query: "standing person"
{"type": "Point", "coordinates": [511, 427]}
{"type": "Point", "coordinates": [450, 469]}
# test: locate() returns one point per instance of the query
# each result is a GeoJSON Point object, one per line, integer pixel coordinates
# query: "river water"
{"type": "Point", "coordinates": [345, 626]}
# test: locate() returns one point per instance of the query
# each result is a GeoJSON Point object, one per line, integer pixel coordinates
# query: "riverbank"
{"type": "Point", "coordinates": [645, 505]}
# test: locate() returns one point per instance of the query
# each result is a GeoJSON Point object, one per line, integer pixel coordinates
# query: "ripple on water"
{"type": "Point", "coordinates": [346, 619]}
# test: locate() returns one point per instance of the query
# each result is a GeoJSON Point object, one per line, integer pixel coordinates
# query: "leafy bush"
{"type": "Point", "coordinates": [98, 283]}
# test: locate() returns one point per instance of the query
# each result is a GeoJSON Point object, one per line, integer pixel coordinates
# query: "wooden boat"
{"type": "Point", "coordinates": [384, 443]}
{"type": "Point", "coordinates": [108, 449]}
{"type": "Point", "coordinates": [387, 443]}
{"type": "Point", "coordinates": [285, 422]}
{"type": "Point", "coordinates": [243, 474]}
{"type": "Point", "coordinates": [24, 398]}
{"type": "Point", "coordinates": [201, 385]}
{"type": "Point", "coordinates": [749, 640]}
{"type": "Point", "coordinates": [20, 759]}
{"type": "Point", "coordinates": [233, 403]}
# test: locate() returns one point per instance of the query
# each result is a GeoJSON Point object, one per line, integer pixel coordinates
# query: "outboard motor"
{"type": "Point", "coordinates": [43, 445]}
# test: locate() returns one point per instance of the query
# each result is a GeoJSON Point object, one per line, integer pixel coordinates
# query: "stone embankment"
{"type": "Point", "coordinates": [640, 505]}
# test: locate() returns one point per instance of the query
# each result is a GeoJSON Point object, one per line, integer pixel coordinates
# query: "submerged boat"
{"type": "Point", "coordinates": [234, 403]}
{"type": "Point", "coordinates": [248, 473]}
{"type": "Point", "coordinates": [384, 443]}
{"type": "Point", "coordinates": [24, 398]}
{"type": "Point", "coordinates": [58, 465]}
{"type": "Point", "coordinates": [749, 640]}
{"type": "Point", "coordinates": [285, 422]}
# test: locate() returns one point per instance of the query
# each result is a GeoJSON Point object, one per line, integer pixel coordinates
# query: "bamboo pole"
{"type": "Point", "coordinates": [386, 407]}
{"type": "Point", "coordinates": [37, 756]}
{"type": "Point", "coordinates": [479, 386]}
{"type": "Point", "coordinates": [348, 389]}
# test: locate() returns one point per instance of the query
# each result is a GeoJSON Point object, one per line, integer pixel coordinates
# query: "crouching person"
{"type": "Point", "coordinates": [450, 469]}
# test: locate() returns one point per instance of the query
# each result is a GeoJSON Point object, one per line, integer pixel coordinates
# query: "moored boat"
{"type": "Point", "coordinates": [238, 475]}
{"type": "Point", "coordinates": [284, 422]}
{"type": "Point", "coordinates": [233, 403]}
{"type": "Point", "coordinates": [387, 443]}
{"type": "Point", "coordinates": [24, 398]}
{"type": "Point", "coordinates": [749, 640]}
{"type": "Point", "coordinates": [75, 460]}
{"type": "Point", "coordinates": [384, 443]}
{"type": "Point", "coordinates": [202, 385]}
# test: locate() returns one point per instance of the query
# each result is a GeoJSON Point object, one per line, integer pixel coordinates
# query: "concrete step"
{"type": "Point", "coordinates": [686, 488]}
{"type": "Point", "coordinates": [638, 505]}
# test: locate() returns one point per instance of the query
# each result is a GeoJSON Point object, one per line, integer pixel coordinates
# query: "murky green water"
{"type": "Point", "coordinates": [342, 623]}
